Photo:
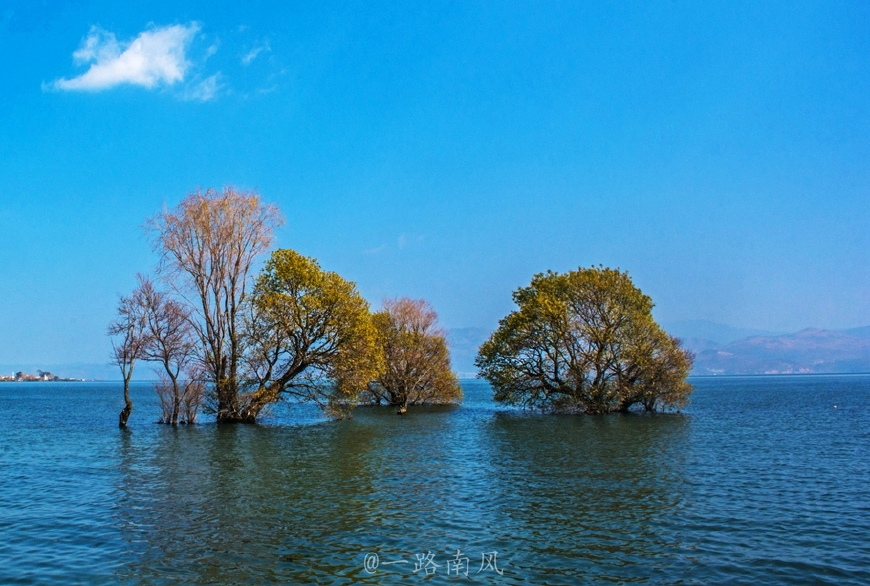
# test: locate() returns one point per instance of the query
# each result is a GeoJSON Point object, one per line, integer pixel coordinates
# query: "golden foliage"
{"type": "Point", "coordinates": [417, 359]}
{"type": "Point", "coordinates": [310, 336]}
{"type": "Point", "coordinates": [584, 341]}
{"type": "Point", "coordinates": [207, 245]}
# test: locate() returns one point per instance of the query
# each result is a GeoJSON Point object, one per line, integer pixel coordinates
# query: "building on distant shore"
{"type": "Point", "coordinates": [40, 376]}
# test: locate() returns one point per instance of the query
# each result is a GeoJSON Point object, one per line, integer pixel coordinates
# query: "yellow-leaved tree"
{"type": "Point", "coordinates": [584, 342]}
{"type": "Point", "coordinates": [417, 369]}
{"type": "Point", "coordinates": [309, 335]}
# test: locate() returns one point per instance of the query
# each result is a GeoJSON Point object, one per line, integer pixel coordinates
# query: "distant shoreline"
{"type": "Point", "coordinates": [57, 380]}
{"type": "Point", "coordinates": [472, 379]}
{"type": "Point", "coordinates": [41, 376]}
{"type": "Point", "coordinates": [771, 374]}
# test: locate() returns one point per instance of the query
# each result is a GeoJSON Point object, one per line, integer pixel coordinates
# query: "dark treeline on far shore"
{"type": "Point", "coordinates": [231, 343]}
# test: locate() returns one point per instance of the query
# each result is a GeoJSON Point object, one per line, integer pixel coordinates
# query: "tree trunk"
{"type": "Point", "coordinates": [176, 401]}
{"type": "Point", "coordinates": [255, 404]}
{"type": "Point", "coordinates": [403, 407]}
{"type": "Point", "coordinates": [128, 406]}
{"type": "Point", "coordinates": [225, 412]}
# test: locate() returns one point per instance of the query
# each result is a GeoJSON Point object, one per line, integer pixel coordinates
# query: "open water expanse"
{"type": "Point", "coordinates": [763, 480]}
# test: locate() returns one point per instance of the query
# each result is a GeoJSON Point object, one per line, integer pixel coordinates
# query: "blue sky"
{"type": "Point", "coordinates": [717, 151]}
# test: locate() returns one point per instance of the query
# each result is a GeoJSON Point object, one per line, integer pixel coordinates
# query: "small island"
{"type": "Point", "coordinates": [40, 376]}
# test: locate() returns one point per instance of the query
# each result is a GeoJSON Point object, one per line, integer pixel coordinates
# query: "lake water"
{"type": "Point", "coordinates": [761, 480]}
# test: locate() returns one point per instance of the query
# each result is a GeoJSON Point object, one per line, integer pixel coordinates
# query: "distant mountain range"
{"type": "Point", "coordinates": [810, 350]}
{"type": "Point", "coordinates": [703, 329]}
{"type": "Point", "coordinates": [859, 332]}
{"type": "Point", "coordinates": [719, 349]}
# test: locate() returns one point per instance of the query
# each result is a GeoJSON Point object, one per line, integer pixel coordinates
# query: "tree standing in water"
{"type": "Point", "coordinates": [584, 342]}
{"type": "Point", "coordinates": [128, 332]}
{"type": "Point", "coordinates": [170, 342]}
{"type": "Point", "coordinates": [207, 246]}
{"type": "Point", "coordinates": [417, 361]}
{"type": "Point", "coordinates": [309, 336]}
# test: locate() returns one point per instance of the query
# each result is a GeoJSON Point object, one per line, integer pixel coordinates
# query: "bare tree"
{"type": "Point", "coordinates": [417, 359]}
{"type": "Point", "coordinates": [192, 395]}
{"type": "Point", "coordinates": [129, 339]}
{"type": "Point", "coordinates": [208, 244]}
{"type": "Point", "coordinates": [170, 342]}
{"type": "Point", "coordinates": [180, 400]}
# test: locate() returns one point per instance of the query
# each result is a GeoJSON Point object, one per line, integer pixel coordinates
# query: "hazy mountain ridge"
{"type": "Point", "coordinates": [863, 332]}
{"type": "Point", "coordinates": [811, 350]}
{"type": "Point", "coordinates": [702, 329]}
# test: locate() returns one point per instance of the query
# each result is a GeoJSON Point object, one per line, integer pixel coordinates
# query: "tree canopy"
{"type": "Point", "coordinates": [584, 342]}
{"type": "Point", "coordinates": [417, 369]}
{"type": "Point", "coordinates": [309, 335]}
{"type": "Point", "coordinates": [207, 245]}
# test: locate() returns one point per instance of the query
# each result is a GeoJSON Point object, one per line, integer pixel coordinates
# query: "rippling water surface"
{"type": "Point", "coordinates": [761, 480]}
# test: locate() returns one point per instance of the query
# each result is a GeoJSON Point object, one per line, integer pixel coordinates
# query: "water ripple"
{"type": "Point", "coordinates": [760, 481]}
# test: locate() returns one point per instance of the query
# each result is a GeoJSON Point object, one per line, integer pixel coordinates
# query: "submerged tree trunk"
{"type": "Point", "coordinates": [176, 399]}
{"type": "Point", "coordinates": [125, 414]}
{"type": "Point", "coordinates": [254, 405]}
{"type": "Point", "coordinates": [401, 401]}
{"type": "Point", "coordinates": [227, 394]}
{"type": "Point", "coordinates": [128, 406]}
{"type": "Point", "coordinates": [176, 407]}
{"type": "Point", "coordinates": [127, 371]}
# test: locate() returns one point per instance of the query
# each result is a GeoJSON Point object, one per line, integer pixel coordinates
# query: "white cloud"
{"type": "Point", "coordinates": [156, 56]}
{"type": "Point", "coordinates": [204, 90]}
{"type": "Point", "coordinates": [252, 54]}
{"type": "Point", "coordinates": [212, 49]}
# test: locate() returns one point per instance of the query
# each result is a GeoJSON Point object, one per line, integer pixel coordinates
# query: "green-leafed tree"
{"type": "Point", "coordinates": [417, 361]}
{"type": "Point", "coordinates": [309, 336]}
{"type": "Point", "coordinates": [584, 342]}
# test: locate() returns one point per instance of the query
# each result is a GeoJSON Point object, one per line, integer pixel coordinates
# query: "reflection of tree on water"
{"type": "Point", "coordinates": [412, 463]}
{"type": "Point", "coordinates": [555, 496]}
{"type": "Point", "coordinates": [591, 497]}
{"type": "Point", "coordinates": [152, 502]}
{"type": "Point", "coordinates": [239, 503]}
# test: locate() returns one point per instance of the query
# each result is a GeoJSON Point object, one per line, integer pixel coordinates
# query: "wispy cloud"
{"type": "Point", "coordinates": [205, 90]}
{"type": "Point", "coordinates": [376, 250]}
{"type": "Point", "coordinates": [253, 53]}
{"type": "Point", "coordinates": [155, 57]}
